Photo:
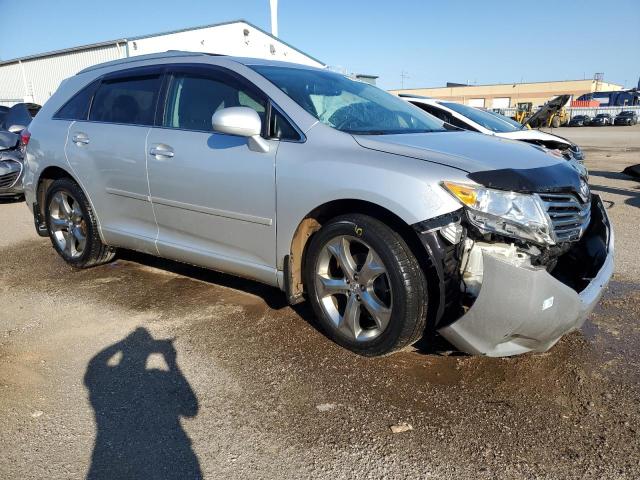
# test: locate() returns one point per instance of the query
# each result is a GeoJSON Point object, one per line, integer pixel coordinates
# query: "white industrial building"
{"type": "Point", "coordinates": [35, 78]}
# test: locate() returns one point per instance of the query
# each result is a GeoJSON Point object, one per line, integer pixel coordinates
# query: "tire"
{"type": "Point", "coordinates": [382, 289]}
{"type": "Point", "coordinates": [72, 226]}
{"type": "Point", "coordinates": [555, 122]}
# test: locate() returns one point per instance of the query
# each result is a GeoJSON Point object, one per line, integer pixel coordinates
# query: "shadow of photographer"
{"type": "Point", "coordinates": [138, 403]}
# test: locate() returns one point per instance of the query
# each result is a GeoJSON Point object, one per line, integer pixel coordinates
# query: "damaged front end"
{"type": "Point", "coordinates": [521, 285]}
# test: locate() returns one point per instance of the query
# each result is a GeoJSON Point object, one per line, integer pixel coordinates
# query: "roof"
{"type": "Point", "coordinates": [180, 53]}
{"type": "Point", "coordinates": [140, 37]}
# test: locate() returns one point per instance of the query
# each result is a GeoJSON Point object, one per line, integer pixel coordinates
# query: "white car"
{"type": "Point", "coordinates": [490, 123]}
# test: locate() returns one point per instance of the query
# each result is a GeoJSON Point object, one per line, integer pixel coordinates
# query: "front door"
{"type": "Point", "coordinates": [213, 198]}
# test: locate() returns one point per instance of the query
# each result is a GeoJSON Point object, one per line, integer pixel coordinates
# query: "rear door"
{"type": "Point", "coordinates": [107, 153]}
{"type": "Point", "coordinates": [214, 198]}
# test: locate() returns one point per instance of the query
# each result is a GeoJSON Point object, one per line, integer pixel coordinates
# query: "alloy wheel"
{"type": "Point", "coordinates": [353, 288]}
{"type": "Point", "coordinates": [67, 223]}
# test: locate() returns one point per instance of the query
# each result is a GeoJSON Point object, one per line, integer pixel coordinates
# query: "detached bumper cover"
{"type": "Point", "coordinates": [526, 309]}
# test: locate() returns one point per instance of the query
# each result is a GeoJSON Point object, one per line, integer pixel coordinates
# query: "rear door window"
{"type": "Point", "coordinates": [130, 100]}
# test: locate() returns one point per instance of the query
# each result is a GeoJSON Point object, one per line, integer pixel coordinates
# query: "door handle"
{"type": "Point", "coordinates": [80, 139]}
{"type": "Point", "coordinates": [161, 151]}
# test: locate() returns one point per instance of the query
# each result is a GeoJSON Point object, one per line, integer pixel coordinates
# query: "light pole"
{"type": "Point", "coordinates": [274, 17]}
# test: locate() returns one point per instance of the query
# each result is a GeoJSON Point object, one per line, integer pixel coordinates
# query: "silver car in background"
{"type": "Point", "coordinates": [391, 223]}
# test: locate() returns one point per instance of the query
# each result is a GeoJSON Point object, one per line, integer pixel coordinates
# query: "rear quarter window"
{"type": "Point", "coordinates": [77, 108]}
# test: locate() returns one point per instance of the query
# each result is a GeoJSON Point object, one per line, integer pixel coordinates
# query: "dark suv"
{"type": "Point", "coordinates": [580, 121]}
{"type": "Point", "coordinates": [626, 117]}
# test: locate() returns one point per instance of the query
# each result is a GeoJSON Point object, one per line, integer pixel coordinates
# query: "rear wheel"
{"type": "Point", "coordinates": [72, 226]}
{"type": "Point", "coordinates": [555, 122]}
{"type": "Point", "coordinates": [366, 286]}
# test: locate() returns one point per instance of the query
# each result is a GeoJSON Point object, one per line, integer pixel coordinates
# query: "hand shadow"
{"type": "Point", "coordinates": [138, 410]}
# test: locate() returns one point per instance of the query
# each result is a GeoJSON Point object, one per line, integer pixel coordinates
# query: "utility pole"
{"type": "Point", "coordinates": [403, 76]}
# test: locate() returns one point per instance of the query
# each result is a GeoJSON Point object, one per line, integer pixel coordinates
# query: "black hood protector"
{"type": "Point", "coordinates": [559, 178]}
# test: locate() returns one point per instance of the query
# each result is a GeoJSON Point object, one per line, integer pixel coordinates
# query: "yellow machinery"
{"type": "Point", "coordinates": [551, 114]}
{"type": "Point", "coordinates": [523, 112]}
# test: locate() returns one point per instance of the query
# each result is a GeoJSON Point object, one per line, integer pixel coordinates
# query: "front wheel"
{"type": "Point", "coordinates": [365, 285]}
{"type": "Point", "coordinates": [73, 227]}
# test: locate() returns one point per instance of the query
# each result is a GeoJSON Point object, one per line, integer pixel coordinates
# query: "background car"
{"type": "Point", "coordinates": [580, 121]}
{"type": "Point", "coordinates": [601, 120]}
{"type": "Point", "coordinates": [3, 113]}
{"type": "Point", "coordinates": [20, 114]}
{"type": "Point", "coordinates": [492, 123]}
{"type": "Point", "coordinates": [13, 122]}
{"type": "Point", "coordinates": [11, 165]}
{"type": "Point", "coordinates": [626, 117]}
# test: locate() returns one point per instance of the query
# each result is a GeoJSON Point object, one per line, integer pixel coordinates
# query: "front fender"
{"type": "Point", "coordinates": [332, 166]}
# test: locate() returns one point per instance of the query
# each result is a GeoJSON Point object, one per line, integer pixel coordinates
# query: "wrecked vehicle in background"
{"type": "Point", "coordinates": [11, 165]}
{"type": "Point", "coordinates": [390, 222]}
{"type": "Point", "coordinates": [492, 123]}
{"type": "Point", "coordinates": [13, 126]}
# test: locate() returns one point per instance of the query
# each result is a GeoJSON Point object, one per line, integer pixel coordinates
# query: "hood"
{"type": "Point", "coordinates": [534, 135]}
{"type": "Point", "coordinates": [491, 161]}
{"type": "Point", "coordinates": [468, 151]}
{"type": "Point", "coordinates": [8, 140]}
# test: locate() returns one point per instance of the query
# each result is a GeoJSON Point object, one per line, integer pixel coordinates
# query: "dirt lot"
{"type": "Point", "coordinates": [218, 375]}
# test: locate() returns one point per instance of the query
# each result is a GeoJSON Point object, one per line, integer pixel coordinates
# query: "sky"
{"type": "Point", "coordinates": [432, 42]}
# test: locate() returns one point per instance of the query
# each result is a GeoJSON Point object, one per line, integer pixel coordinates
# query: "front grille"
{"type": "Point", "coordinates": [569, 216]}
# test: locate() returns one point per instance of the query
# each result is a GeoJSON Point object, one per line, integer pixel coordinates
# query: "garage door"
{"type": "Point", "coordinates": [501, 102]}
{"type": "Point", "coordinates": [476, 102]}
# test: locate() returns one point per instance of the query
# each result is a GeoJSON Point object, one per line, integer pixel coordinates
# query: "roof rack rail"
{"type": "Point", "coordinates": [141, 58]}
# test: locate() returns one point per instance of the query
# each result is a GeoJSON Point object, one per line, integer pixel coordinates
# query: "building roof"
{"type": "Point", "coordinates": [464, 85]}
{"type": "Point", "coordinates": [140, 37]}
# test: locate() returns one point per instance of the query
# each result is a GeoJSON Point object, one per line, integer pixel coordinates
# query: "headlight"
{"type": "Point", "coordinates": [507, 213]}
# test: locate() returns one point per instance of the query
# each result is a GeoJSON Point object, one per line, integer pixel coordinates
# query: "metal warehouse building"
{"type": "Point", "coordinates": [507, 95]}
{"type": "Point", "coordinates": [35, 78]}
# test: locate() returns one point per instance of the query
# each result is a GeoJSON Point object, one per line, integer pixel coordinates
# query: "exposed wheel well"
{"type": "Point", "coordinates": [47, 177]}
{"type": "Point", "coordinates": [320, 215]}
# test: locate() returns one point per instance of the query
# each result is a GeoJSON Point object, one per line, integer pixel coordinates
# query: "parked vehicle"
{"type": "Point", "coordinates": [580, 121]}
{"type": "Point", "coordinates": [20, 114]}
{"type": "Point", "coordinates": [11, 165]}
{"type": "Point", "coordinates": [491, 123]}
{"type": "Point", "coordinates": [3, 113]}
{"type": "Point", "coordinates": [602, 120]}
{"type": "Point", "coordinates": [13, 122]}
{"type": "Point", "coordinates": [388, 220]}
{"type": "Point", "coordinates": [626, 117]}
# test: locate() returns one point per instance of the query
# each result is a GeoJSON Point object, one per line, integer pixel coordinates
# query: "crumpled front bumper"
{"type": "Point", "coordinates": [526, 309]}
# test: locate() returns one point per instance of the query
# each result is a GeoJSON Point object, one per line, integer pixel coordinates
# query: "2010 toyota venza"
{"type": "Point", "coordinates": [389, 221]}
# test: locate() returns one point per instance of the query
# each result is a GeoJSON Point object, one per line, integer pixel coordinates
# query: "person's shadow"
{"type": "Point", "coordinates": [137, 410]}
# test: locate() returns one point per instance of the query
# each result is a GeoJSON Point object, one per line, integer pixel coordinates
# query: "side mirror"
{"type": "Point", "coordinates": [242, 122]}
{"type": "Point", "coordinates": [16, 128]}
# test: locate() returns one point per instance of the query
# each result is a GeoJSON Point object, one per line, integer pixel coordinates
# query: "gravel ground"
{"type": "Point", "coordinates": [217, 375]}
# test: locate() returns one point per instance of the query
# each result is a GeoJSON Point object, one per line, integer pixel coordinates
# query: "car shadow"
{"type": "Point", "coordinates": [430, 344]}
{"type": "Point", "coordinates": [634, 197]}
{"type": "Point", "coordinates": [272, 296]}
{"type": "Point", "coordinates": [18, 199]}
{"type": "Point", "coordinates": [137, 407]}
{"type": "Point", "coordinates": [611, 175]}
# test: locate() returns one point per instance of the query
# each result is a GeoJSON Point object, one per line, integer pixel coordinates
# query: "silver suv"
{"type": "Point", "coordinates": [390, 222]}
